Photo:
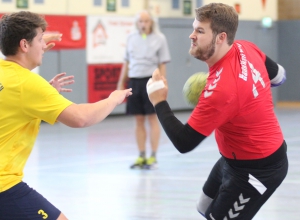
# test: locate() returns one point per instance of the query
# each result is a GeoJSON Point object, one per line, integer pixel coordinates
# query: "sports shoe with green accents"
{"type": "Point", "coordinates": [139, 163]}
{"type": "Point", "coordinates": [151, 163]}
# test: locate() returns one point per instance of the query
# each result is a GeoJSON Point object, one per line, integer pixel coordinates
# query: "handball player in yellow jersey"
{"type": "Point", "coordinates": [26, 99]}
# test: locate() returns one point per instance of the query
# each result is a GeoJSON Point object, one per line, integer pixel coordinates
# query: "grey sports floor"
{"type": "Point", "coordinates": [85, 173]}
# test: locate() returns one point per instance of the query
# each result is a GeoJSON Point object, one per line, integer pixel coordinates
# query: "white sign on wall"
{"type": "Point", "coordinates": [106, 38]}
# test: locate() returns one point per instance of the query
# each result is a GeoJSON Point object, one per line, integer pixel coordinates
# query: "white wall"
{"type": "Point", "coordinates": [250, 10]}
{"type": "Point", "coordinates": [73, 7]}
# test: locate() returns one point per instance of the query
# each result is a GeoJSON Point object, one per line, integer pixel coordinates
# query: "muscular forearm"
{"type": "Point", "coordinates": [84, 115]}
{"type": "Point", "coordinates": [182, 136]}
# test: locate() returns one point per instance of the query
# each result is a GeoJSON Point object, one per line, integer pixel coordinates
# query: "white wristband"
{"type": "Point", "coordinates": [153, 86]}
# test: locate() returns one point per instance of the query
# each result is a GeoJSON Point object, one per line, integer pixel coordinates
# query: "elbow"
{"type": "Point", "coordinates": [80, 123]}
{"type": "Point", "coordinates": [184, 149]}
{"type": "Point", "coordinates": [75, 117]}
{"type": "Point", "coordinates": [75, 124]}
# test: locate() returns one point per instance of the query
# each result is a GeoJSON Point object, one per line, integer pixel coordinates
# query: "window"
{"type": "Point", "coordinates": [199, 3]}
{"type": "Point", "coordinates": [39, 1]}
{"type": "Point", "coordinates": [125, 3]}
{"type": "Point", "coordinates": [22, 3]}
{"type": "Point", "coordinates": [187, 7]}
{"type": "Point", "coordinates": [175, 4]}
{"type": "Point", "coordinates": [97, 2]}
{"type": "Point", "coordinates": [111, 5]}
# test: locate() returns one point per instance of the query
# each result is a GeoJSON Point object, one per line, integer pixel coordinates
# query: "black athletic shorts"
{"type": "Point", "coordinates": [24, 203]}
{"type": "Point", "coordinates": [138, 103]}
{"type": "Point", "coordinates": [237, 191]}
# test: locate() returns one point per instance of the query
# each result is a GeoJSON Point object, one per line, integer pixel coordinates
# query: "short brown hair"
{"type": "Point", "coordinates": [222, 18]}
{"type": "Point", "coordinates": [17, 26]}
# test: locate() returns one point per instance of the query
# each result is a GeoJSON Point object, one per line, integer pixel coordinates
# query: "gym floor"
{"type": "Point", "coordinates": [85, 173]}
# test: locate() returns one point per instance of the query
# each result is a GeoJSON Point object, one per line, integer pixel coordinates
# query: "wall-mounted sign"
{"type": "Point", "coordinates": [102, 80]}
{"type": "Point", "coordinates": [111, 5]}
{"type": "Point", "coordinates": [187, 7]}
{"type": "Point", "coordinates": [106, 38]}
{"type": "Point", "coordinates": [73, 29]}
{"type": "Point", "coordinates": [22, 3]}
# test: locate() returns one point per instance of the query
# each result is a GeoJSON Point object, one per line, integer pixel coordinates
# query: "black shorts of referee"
{"type": "Point", "coordinates": [138, 103]}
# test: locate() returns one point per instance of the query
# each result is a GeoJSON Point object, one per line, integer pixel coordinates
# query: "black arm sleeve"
{"type": "Point", "coordinates": [272, 68]}
{"type": "Point", "coordinates": [276, 72]}
{"type": "Point", "coordinates": [183, 136]}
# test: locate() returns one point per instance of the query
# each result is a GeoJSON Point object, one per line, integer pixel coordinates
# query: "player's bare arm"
{"type": "Point", "coordinates": [84, 115]}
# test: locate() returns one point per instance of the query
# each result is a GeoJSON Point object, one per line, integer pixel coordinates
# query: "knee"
{"type": "Point", "coordinates": [203, 203]}
{"type": "Point", "coordinates": [62, 217]}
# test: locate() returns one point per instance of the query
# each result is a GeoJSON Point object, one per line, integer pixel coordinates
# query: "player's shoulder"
{"type": "Point", "coordinates": [243, 42]}
{"type": "Point", "coordinates": [251, 51]}
{"type": "Point", "coordinates": [246, 44]}
{"type": "Point", "coordinates": [13, 68]}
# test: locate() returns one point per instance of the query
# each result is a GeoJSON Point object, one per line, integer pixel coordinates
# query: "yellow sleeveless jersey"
{"type": "Point", "coordinates": [25, 99]}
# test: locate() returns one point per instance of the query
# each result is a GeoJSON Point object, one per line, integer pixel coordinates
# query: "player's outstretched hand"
{"type": "Point", "coordinates": [61, 80]}
{"type": "Point", "coordinates": [157, 88]}
{"type": "Point", "coordinates": [119, 95]}
{"type": "Point", "coordinates": [51, 37]}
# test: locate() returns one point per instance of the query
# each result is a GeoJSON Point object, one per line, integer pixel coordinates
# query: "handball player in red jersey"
{"type": "Point", "coordinates": [237, 105]}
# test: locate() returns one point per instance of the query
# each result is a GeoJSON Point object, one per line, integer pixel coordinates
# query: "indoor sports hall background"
{"type": "Point", "coordinates": [94, 33]}
{"type": "Point", "coordinates": [85, 172]}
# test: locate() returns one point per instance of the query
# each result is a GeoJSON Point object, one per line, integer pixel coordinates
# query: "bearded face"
{"type": "Point", "coordinates": [203, 52]}
{"type": "Point", "coordinates": [202, 41]}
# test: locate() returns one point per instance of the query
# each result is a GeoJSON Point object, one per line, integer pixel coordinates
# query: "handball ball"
{"type": "Point", "coordinates": [193, 87]}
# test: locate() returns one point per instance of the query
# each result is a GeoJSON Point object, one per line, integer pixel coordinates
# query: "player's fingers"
{"type": "Point", "coordinates": [64, 83]}
{"type": "Point", "coordinates": [165, 81]}
{"type": "Point", "coordinates": [49, 46]}
{"type": "Point", "coordinates": [62, 74]}
{"type": "Point", "coordinates": [66, 90]}
{"type": "Point", "coordinates": [67, 78]}
{"type": "Point", "coordinates": [52, 37]}
{"type": "Point", "coordinates": [57, 37]}
{"type": "Point", "coordinates": [149, 82]}
{"type": "Point", "coordinates": [59, 77]}
{"type": "Point", "coordinates": [156, 75]}
{"type": "Point", "coordinates": [129, 91]}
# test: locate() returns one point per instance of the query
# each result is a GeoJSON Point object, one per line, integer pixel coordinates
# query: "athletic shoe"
{"type": "Point", "coordinates": [151, 163]}
{"type": "Point", "coordinates": [139, 163]}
